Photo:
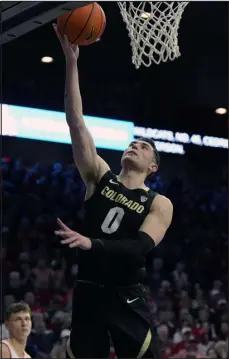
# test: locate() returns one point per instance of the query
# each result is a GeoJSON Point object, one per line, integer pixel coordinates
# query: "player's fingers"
{"type": "Point", "coordinates": [69, 240]}
{"type": "Point", "coordinates": [74, 244]}
{"type": "Point", "coordinates": [74, 48]}
{"type": "Point", "coordinates": [64, 234]}
{"type": "Point", "coordinates": [67, 44]}
{"type": "Point", "coordinates": [58, 34]}
{"type": "Point", "coordinates": [62, 225]}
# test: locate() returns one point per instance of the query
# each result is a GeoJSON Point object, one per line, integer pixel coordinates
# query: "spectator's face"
{"type": "Point", "coordinates": [40, 328]}
{"type": "Point", "coordinates": [19, 325]}
{"type": "Point", "coordinates": [166, 285]}
{"type": "Point", "coordinates": [163, 333]}
{"type": "Point", "coordinates": [37, 318]}
{"type": "Point", "coordinates": [184, 313]}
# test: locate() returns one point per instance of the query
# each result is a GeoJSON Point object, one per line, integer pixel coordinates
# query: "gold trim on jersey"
{"type": "Point", "coordinates": [120, 198]}
{"type": "Point", "coordinates": [145, 345]}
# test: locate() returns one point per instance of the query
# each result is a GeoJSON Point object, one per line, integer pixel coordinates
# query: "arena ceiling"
{"type": "Point", "coordinates": [179, 95]}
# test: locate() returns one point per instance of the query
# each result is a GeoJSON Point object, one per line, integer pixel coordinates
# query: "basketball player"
{"type": "Point", "coordinates": [19, 324]}
{"type": "Point", "coordinates": [124, 220]}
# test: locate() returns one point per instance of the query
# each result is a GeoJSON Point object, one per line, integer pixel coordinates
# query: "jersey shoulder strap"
{"type": "Point", "coordinates": [101, 184]}
{"type": "Point", "coordinates": [152, 194]}
{"type": "Point", "coordinates": [106, 178]}
{"type": "Point", "coordinates": [149, 197]}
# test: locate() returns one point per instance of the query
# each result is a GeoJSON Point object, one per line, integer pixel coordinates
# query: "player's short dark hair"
{"type": "Point", "coordinates": [16, 308]}
{"type": "Point", "coordinates": [152, 144]}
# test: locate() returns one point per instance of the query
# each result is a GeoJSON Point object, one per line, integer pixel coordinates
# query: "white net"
{"type": "Point", "coordinates": [153, 30]}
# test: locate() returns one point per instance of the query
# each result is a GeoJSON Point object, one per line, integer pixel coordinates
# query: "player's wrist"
{"type": "Point", "coordinates": [86, 244]}
{"type": "Point", "coordinates": [71, 63]}
{"type": "Point", "coordinates": [96, 244]}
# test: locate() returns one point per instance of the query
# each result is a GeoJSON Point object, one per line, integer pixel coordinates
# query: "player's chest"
{"type": "Point", "coordinates": [133, 201]}
{"type": "Point", "coordinates": [123, 208]}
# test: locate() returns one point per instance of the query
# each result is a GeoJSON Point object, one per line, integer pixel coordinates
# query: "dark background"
{"type": "Point", "coordinates": [180, 95]}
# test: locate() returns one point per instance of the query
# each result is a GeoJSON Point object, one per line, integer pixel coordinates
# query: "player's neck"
{"type": "Point", "coordinates": [132, 179]}
{"type": "Point", "coordinates": [19, 346]}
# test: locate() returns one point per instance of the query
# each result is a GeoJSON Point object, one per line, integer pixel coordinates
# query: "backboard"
{"type": "Point", "coordinates": [21, 17]}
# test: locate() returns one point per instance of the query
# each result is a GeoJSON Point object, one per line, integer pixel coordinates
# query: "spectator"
{"type": "Point", "coordinates": [42, 338]}
{"type": "Point", "coordinates": [43, 275]}
{"type": "Point", "coordinates": [59, 349]}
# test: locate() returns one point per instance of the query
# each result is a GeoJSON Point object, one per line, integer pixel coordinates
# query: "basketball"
{"type": "Point", "coordinates": [84, 25]}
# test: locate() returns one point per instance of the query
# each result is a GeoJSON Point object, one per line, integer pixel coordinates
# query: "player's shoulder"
{"type": "Point", "coordinates": [5, 350]}
{"type": "Point", "coordinates": [161, 203]}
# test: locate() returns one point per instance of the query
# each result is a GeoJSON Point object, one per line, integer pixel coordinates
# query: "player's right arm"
{"type": "Point", "coordinates": [5, 352]}
{"type": "Point", "coordinates": [90, 165]}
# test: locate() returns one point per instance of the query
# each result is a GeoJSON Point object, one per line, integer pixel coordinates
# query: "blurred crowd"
{"type": "Point", "coordinates": [185, 277]}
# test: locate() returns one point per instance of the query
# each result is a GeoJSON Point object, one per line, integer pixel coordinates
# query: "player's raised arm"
{"type": "Point", "coordinates": [90, 165]}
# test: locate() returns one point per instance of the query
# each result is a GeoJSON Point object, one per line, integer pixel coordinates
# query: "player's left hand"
{"type": "Point", "coordinates": [71, 238]}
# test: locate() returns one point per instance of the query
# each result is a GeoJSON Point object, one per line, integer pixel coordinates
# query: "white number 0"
{"type": "Point", "coordinates": [112, 220]}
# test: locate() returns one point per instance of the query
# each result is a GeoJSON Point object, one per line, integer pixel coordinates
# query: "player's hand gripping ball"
{"type": "Point", "coordinates": [84, 25]}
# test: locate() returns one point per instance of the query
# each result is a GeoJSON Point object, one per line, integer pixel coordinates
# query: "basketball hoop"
{"type": "Point", "coordinates": [153, 30]}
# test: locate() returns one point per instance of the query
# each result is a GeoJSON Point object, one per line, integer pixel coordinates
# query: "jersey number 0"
{"type": "Point", "coordinates": [113, 219]}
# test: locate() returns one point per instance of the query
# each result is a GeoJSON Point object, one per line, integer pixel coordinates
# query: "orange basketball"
{"type": "Point", "coordinates": [84, 25]}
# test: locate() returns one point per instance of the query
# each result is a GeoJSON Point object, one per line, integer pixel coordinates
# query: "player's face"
{"type": "Point", "coordinates": [19, 325]}
{"type": "Point", "coordinates": [140, 155]}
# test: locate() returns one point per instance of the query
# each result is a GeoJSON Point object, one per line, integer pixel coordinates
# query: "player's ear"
{"type": "Point", "coordinates": [153, 168]}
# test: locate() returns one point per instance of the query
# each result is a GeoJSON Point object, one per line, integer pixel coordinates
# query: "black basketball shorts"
{"type": "Point", "coordinates": [101, 312]}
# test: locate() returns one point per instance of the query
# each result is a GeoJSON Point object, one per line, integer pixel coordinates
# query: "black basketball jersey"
{"type": "Point", "coordinates": [113, 211]}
